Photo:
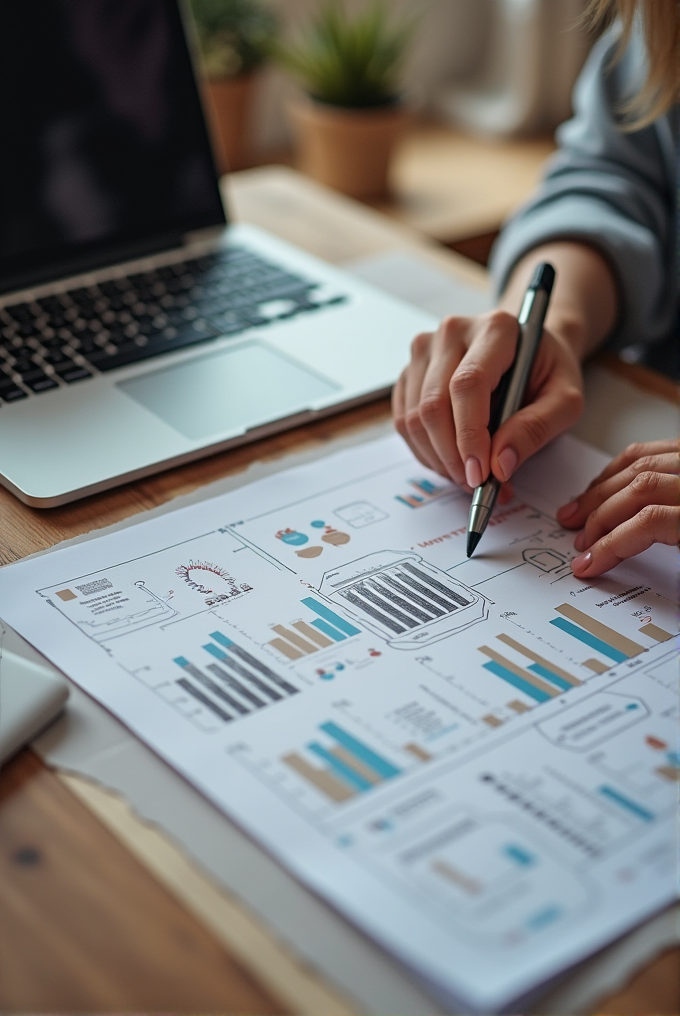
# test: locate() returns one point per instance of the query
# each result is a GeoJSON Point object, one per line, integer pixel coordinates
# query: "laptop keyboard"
{"type": "Point", "coordinates": [58, 340]}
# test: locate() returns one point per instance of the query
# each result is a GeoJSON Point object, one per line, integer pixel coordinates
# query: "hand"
{"type": "Point", "coordinates": [442, 400]}
{"type": "Point", "coordinates": [632, 504]}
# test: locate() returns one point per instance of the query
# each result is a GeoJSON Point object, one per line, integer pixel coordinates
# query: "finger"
{"type": "Point", "coordinates": [490, 354]}
{"type": "Point", "coordinates": [554, 411]}
{"type": "Point", "coordinates": [416, 434]}
{"type": "Point", "coordinates": [645, 489]}
{"type": "Point", "coordinates": [635, 451]}
{"type": "Point", "coordinates": [436, 411]}
{"type": "Point", "coordinates": [506, 493]}
{"type": "Point", "coordinates": [654, 524]}
{"type": "Point", "coordinates": [575, 514]}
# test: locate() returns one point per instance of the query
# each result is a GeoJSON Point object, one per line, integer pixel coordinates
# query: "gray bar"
{"type": "Point", "coordinates": [215, 689]}
{"type": "Point", "coordinates": [254, 680]}
{"type": "Point", "coordinates": [235, 685]}
{"type": "Point", "coordinates": [398, 601]}
{"type": "Point", "coordinates": [387, 607]}
{"type": "Point", "coordinates": [203, 699]}
{"type": "Point", "coordinates": [449, 605]}
{"type": "Point", "coordinates": [372, 612]}
{"type": "Point", "coordinates": [405, 591]}
{"type": "Point", "coordinates": [437, 585]}
{"type": "Point", "coordinates": [263, 668]}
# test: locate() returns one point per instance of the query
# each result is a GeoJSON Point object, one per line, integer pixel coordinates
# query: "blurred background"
{"type": "Point", "coordinates": [466, 113]}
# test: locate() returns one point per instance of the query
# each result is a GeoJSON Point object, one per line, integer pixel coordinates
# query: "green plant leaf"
{"type": "Point", "coordinates": [347, 61]}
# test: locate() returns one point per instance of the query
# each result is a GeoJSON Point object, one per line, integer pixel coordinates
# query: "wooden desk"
{"type": "Point", "coordinates": [84, 923]}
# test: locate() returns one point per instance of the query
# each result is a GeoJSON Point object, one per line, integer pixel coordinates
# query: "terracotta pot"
{"type": "Point", "coordinates": [228, 102]}
{"type": "Point", "coordinates": [347, 149]}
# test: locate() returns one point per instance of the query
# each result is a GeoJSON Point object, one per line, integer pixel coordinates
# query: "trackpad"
{"type": "Point", "coordinates": [233, 389]}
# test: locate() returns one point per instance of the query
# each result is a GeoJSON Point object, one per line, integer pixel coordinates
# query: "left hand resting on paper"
{"type": "Point", "coordinates": [632, 504]}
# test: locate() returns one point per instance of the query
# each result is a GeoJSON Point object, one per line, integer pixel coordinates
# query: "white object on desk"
{"type": "Point", "coordinates": [31, 696]}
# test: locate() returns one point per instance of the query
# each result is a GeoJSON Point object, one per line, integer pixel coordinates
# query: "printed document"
{"type": "Point", "coordinates": [475, 761]}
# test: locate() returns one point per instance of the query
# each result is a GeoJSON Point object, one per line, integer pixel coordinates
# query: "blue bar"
{"type": "Point", "coordinates": [625, 802]}
{"type": "Point", "coordinates": [516, 682]}
{"type": "Point", "coordinates": [549, 676]}
{"type": "Point", "coordinates": [335, 619]}
{"type": "Point", "coordinates": [519, 855]}
{"type": "Point", "coordinates": [222, 639]}
{"type": "Point", "coordinates": [344, 772]}
{"type": "Point", "coordinates": [329, 630]}
{"type": "Point", "coordinates": [543, 917]}
{"type": "Point", "coordinates": [590, 640]}
{"type": "Point", "coordinates": [375, 762]}
{"type": "Point", "coordinates": [181, 661]}
{"type": "Point", "coordinates": [210, 648]}
{"type": "Point", "coordinates": [425, 485]}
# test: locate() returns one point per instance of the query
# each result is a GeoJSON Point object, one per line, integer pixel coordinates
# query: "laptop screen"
{"type": "Point", "coordinates": [103, 148]}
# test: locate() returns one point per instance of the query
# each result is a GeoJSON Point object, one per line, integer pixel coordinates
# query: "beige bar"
{"type": "Point", "coordinates": [596, 666]}
{"type": "Point", "coordinates": [492, 721]}
{"type": "Point", "coordinates": [297, 640]}
{"type": "Point", "coordinates": [669, 773]}
{"type": "Point", "coordinates": [355, 764]}
{"type": "Point", "coordinates": [313, 634]}
{"type": "Point", "coordinates": [526, 675]}
{"type": "Point", "coordinates": [601, 631]}
{"type": "Point", "coordinates": [451, 874]}
{"type": "Point", "coordinates": [519, 707]}
{"type": "Point", "coordinates": [286, 649]}
{"type": "Point", "coordinates": [418, 752]}
{"type": "Point", "coordinates": [655, 632]}
{"type": "Point", "coordinates": [538, 659]}
{"type": "Point", "coordinates": [328, 784]}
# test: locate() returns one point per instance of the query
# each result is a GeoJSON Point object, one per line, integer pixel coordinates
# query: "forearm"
{"type": "Point", "coordinates": [584, 304]}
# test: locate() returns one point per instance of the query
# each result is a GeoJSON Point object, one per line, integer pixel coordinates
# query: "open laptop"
{"type": "Point", "coordinates": [139, 330]}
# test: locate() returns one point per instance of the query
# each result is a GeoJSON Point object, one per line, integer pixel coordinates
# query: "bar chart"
{"type": "Point", "coordinates": [605, 640]}
{"type": "Point", "coordinates": [350, 766]}
{"type": "Point", "coordinates": [324, 628]}
{"type": "Point", "coordinates": [403, 598]}
{"type": "Point", "coordinates": [422, 492]}
{"type": "Point", "coordinates": [237, 685]}
{"type": "Point", "coordinates": [540, 679]}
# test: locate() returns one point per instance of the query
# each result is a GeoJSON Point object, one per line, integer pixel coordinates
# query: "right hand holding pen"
{"type": "Point", "coordinates": [441, 403]}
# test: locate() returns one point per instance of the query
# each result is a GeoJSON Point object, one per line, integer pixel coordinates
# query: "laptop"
{"type": "Point", "coordinates": [139, 329]}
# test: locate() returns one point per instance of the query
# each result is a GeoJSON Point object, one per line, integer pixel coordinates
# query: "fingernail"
{"type": "Point", "coordinates": [507, 462]}
{"type": "Point", "coordinates": [473, 472]}
{"type": "Point", "coordinates": [580, 540]}
{"type": "Point", "coordinates": [567, 510]}
{"type": "Point", "coordinates": [582, 562]}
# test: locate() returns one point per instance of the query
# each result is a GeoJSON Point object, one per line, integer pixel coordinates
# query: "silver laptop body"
{"type": "Point", "coordinates": [138, 329]}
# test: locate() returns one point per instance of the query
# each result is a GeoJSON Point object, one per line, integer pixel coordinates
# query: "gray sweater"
{"type": "Point", "coordinates": [614, 190]}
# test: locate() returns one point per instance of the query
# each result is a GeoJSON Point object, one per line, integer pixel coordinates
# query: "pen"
{"type": "Point", "coordinates": [509, 395]}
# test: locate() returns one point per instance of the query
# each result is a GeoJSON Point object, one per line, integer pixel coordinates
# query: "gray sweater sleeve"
{"type": "Point", "coordinates": [613, 190]}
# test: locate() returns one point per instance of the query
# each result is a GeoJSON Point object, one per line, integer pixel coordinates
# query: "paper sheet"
{"type": "Point", "coordinates": [383, 715]}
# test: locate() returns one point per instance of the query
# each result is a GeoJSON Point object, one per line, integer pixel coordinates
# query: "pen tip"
{"type": "Point", "coordinates": [472, 541]}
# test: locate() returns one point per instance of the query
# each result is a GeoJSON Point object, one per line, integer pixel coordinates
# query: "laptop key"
{"type": "Point", "coordinates": [9, 392]}
{"type": "Point", "coordinates": [130, 352]}
{"type": "Point", "coordinates": [70, 372]}
{"type": "Point", "coordinates": [38, 381]}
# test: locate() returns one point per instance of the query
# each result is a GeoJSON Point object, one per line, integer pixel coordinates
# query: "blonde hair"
{"type": "Point", "coordinates": [660, 20]}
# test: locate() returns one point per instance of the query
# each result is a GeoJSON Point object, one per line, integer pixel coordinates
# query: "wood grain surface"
{"type": "Point", "coordinates": [85, 928]}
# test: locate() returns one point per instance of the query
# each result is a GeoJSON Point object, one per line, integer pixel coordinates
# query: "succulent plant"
{"type": "Point", "coordinates": [351, 61]}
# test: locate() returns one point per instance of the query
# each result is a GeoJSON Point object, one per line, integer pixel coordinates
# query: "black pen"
{"type": "Point", "coordinates": [509, 395]}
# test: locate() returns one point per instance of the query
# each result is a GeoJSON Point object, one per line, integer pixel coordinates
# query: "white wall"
{"type": "Point", "coordinates": [456, 45]}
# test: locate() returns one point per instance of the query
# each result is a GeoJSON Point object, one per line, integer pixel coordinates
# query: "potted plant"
{"type": "Point", "coordinates": [353, 113]}
{"type": "Point", "coordinates": [234, 37]}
